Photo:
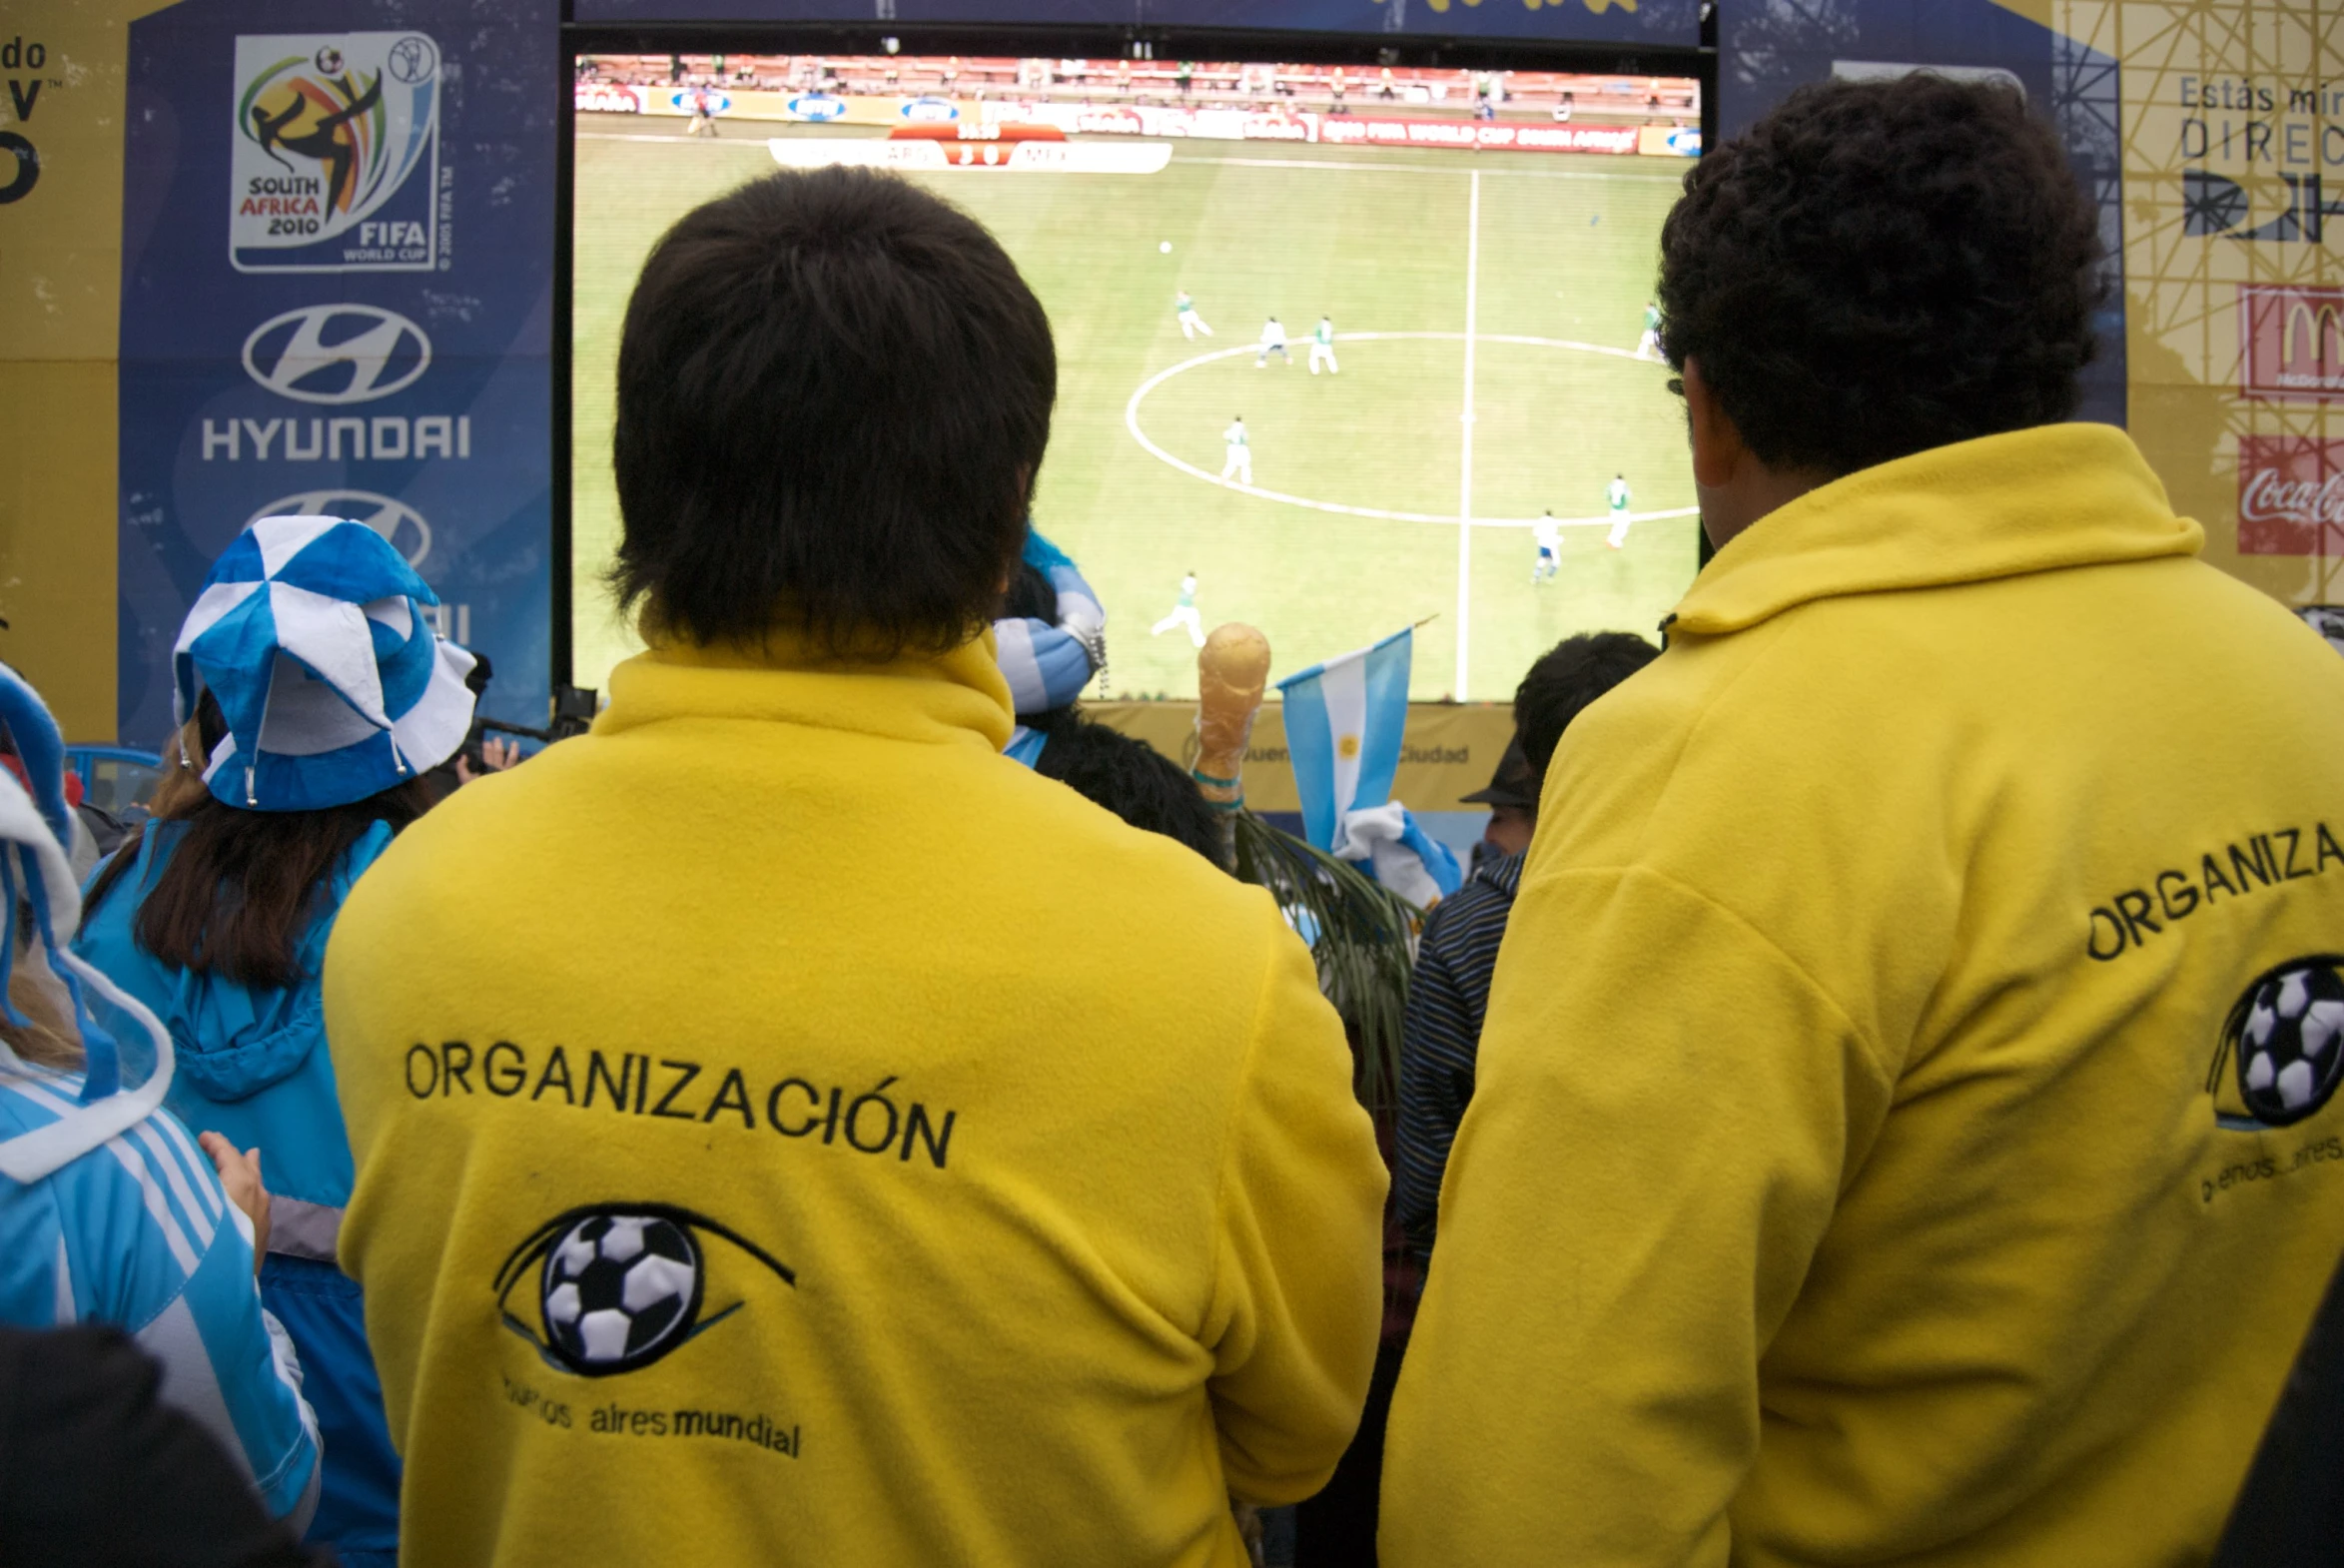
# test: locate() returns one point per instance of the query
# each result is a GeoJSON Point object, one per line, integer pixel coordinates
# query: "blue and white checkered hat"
{"type": "Point", "coordinates": [311, 635]}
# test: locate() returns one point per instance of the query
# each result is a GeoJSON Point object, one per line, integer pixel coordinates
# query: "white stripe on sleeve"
{"type": "Point", "coordinates": [199, 1216]}
{"type": "Point", "coordinates": [198, 1164]}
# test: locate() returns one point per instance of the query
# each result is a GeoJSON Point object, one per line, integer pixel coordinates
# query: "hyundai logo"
{"type": "Point", "coordinates": [337, 354]}
{"type": "Point", "coordinates": [395, 520]}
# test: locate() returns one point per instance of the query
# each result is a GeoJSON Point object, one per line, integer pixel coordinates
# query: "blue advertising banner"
{"type": "Point", "coordinates": [338, 280]}
{"type": "Point", "coordinates": [1655, 22]}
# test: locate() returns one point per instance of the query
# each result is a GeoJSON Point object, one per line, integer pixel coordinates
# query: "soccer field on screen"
{"type": "Point", "coordinates": [1487, 308]}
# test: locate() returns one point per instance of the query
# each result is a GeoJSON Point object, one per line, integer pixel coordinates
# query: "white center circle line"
{"type": "Point", "coordinates": [1605, 520]}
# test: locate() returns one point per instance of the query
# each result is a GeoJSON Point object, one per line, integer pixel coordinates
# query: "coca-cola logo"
{"type": "Point", "coordinates": [2291, 493]}
{"type": "Point", "coordinates": [2269, 495]}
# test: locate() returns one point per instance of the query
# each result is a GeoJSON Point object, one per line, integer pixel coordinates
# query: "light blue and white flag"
{"type": "Point", "coordinates": [309, 632]}
{"type": "Point", "coordinates": [1345, 720]}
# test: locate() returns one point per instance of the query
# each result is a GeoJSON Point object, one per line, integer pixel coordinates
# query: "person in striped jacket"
{"type": "Point", "coordinates": [107, 1211]}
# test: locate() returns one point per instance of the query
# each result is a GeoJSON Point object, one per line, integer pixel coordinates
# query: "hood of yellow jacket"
{"type": "Point", "coordinates": [942, 697]}
{"type": "Point", "coordinates": [2040, 499]}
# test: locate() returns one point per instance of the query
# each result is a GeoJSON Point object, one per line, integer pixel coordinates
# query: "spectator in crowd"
{"type": "Point", "coordinates": [481, 753]}
{"type": "Point", "coordinates": [912, 1233]}
{"type": "Point", "coordinates": [1449, 992]}
{"type": "Point", "coordinates": [1889, 1141]}
{"type": "Point", "coordinates": [1131, 779]}
{"type": "Point", "coordinates": [1445, 996]}
{"type": "Point", "coordinates": [108, 1215]}
{"type": "Point", "coordinates": [1050, 635]}
{"type": "Point", "coordinates": [312, 682]}
{"type": "Point", "coordinates": [1512, 798]}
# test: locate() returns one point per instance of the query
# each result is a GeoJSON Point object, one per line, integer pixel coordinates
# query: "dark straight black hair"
{"type": "Point", "coordinates": [238, 894]}
{"type": "Point", "coordinates": [834, 391]}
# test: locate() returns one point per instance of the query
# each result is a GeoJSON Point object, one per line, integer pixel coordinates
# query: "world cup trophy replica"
{"type": "Point", "coordinates": [1233, 673]}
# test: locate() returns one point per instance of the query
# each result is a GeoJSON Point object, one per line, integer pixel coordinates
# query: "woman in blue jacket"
{"type": "Point", "coordinates": [316, 697]}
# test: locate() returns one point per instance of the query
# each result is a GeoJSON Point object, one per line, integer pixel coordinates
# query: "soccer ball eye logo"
{"type": "Point", "coordinates": [618, 1285]}
{"type": "Point", "coordinates": [2287, 1036]}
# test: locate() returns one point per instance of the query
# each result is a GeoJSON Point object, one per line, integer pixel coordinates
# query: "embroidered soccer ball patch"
{"type": "Point", "coordinates": [618, 1289]}
{"type": "Point", "coordinates": [611, 1288]}
{"type": "Point", "coordinates": [2285, 1041]}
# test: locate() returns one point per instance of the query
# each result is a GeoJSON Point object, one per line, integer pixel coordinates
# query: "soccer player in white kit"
{"type": "Point", "coordinates": [1322, 346]}
{"type": "Point", "coordinates": [1183, 613]}
{"type": "Point", "coordinates": [1190, 322]}
{"type": "Point", "coordinates": [1238, 458]}
{"type": "Point", "coordinates": [1274, 341]}
{"type": "Point", "coordinates": [1549, 534]}
{"type": "Point", "coordinates": [1617, 495]}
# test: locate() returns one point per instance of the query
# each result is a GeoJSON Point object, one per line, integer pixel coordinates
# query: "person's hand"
{"type": "Point", "coordinates": [495, 756]}
{"type": "Point", "coordinates": [240, 1174]}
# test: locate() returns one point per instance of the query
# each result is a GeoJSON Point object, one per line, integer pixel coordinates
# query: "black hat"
{"type": "Point", "coordinates": [1513, 784]}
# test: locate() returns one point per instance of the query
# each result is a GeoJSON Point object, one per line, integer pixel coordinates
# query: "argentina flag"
{"type": "Point", "coordinates": [1344, 722]}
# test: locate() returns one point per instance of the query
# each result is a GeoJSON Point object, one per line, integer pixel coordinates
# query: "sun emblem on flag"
{"type": "Point", "coordinates": [1347, 747]}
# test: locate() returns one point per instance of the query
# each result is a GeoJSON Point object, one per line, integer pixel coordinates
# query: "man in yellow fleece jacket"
{"type": "Point", "coordinates": [788, 1131]}
{"type": "Point", "coordinates": [1905, 1129]}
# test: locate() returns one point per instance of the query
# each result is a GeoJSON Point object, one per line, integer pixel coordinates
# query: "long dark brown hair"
{"type": "Point", "coordinates": [242, 886]}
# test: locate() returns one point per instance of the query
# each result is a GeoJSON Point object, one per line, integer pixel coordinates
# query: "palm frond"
{"type": "Point", "coordinates": [1361, 933]}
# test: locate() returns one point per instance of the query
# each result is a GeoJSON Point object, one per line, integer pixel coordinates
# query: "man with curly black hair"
{"type": "Point", "coordinates": [1903, 1126]}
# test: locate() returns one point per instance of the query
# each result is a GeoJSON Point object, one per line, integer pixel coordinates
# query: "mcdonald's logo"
{"type": "Point", "coordinates": [2310, 345]}
{"type": "Point", "coordinates": [2291, 342]}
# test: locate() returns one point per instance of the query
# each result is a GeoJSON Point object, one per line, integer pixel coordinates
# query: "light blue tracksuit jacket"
{"type": "Point", "coordinates": [253, 1065]}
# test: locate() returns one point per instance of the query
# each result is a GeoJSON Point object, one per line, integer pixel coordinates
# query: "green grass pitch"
{"type": "Point", "coordinates": [1562, 249]}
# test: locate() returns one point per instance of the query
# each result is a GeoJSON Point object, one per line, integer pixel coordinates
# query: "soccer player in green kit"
{"type": "Point", "coordinates": [1322, 346]}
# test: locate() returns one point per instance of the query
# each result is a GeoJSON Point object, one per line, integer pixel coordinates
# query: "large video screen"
{"type": "Point", "coordinates": [1341, 349]}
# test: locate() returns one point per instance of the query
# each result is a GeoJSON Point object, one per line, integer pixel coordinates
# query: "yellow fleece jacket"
{"type": "Point", "coordinates": [1902, 1129]}
{"type": "Point", "coordinates": [787, 1130]}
